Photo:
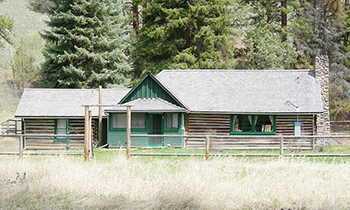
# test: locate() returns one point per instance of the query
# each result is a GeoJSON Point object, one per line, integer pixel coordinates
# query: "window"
{"type": "Point", "coordinates": [172, 120]}
{"type": "Point", "coordinates": [61, 127]}
{"type": "Point", "coordinates": [253, 124]}
{"type": "Point", "coordinates": [137, 120]}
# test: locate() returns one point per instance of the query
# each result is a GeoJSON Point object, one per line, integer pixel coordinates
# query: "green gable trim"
{"type": "Point", "coordinates": [150, 87]}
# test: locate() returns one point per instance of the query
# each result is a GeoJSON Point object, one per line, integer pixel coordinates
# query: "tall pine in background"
{"type": "Point", "coordinates": [86, 45]}
{"type": "Point", "coordinates": [323, 32]}
{"type": "Point", "coordinates": [268, 41]}
{"type": "Point", "coordinates": [193, 34]}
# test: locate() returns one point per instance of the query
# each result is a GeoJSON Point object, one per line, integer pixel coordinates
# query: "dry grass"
{"type": "Point", "coordinates": [112, 182]}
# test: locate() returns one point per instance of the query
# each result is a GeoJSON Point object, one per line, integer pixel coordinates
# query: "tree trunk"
{"type": "Point", "coordinates": [283, 17]}
{"type": "Point", "coordinates": [135, 22]}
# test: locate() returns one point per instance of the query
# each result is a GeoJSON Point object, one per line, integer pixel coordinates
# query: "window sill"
{"type": "Point", "coordinates": [253, 133]}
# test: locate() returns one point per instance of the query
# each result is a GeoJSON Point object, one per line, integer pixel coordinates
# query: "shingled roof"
{"type": "Point", "coordinates": [154, 105]}
{"type": "Point", "coordinates": [245, 91]}
{"type": "Point", "coordinates": [200, 91]}
{"type": "Point", "coordinates": [64, 102]}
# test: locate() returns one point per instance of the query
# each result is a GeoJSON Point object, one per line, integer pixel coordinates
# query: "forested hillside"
{"type": "Point", "coordinates": [114, 43]}
{"type": "Point", "coordinates": [26, 39]}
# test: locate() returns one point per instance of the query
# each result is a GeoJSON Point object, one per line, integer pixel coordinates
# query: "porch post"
{"type": "Point", "coordinates": [100, 116]}
{"type": "Point", "coordinates": [91, 151]}
{"type": "Point", "coordinates": [86, 138]}
{"type": "Point", "coordinates": [128, 131]}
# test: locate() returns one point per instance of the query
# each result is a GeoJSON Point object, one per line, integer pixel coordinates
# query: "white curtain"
{"type": "Point", "coordinates": [256, 119]}
{"type": "Point", "coordinates": [271, 120]}
{"type": "Point", "coordinates": [234, 126]}
{"type": "Point", "coordinates": [250, 119]}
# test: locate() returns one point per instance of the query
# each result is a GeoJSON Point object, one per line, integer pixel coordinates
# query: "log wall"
{"type": "Point", "coordinates": [47, 126]}
{"type": "Point", "coordinates": [285, 125]}
{"type": "Point", "coordinates": [207, 124]}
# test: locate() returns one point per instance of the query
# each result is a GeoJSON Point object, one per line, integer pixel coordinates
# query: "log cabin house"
{"type": "Point", "coordinates": [191, 102]}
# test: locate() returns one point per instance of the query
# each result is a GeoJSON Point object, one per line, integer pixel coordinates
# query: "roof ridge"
{"type": "Point", "coordinates": [158, 99]}
{"type": "Point", "coordinates": [75, 89]}
{"type": "Point", "coordinates": [233, 70]}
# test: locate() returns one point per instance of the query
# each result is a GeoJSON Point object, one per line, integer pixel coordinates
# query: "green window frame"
{"type": "Point", "coordinates": [61, 127]}
{"type": "Point", "coordinates": [172, 121]}
{"type": "Point", "coordinates": [253, 125]}
{"type": "Point", "coordinates": [118, 121]}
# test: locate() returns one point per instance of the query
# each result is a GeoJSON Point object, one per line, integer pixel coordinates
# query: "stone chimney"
{"type": "Point", "coordinates": [322, 73]}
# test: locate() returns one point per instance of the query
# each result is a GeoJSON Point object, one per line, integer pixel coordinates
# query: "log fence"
{"type": "Point", "coordinates": [22, 143]}
{"type": "Point", "coordinates": [221, 142]}
{"type": "Point", "coordinates": [10, 126]}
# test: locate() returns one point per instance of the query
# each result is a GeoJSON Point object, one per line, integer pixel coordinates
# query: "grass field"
{"type": "Point", "coordinates": [112, 182]}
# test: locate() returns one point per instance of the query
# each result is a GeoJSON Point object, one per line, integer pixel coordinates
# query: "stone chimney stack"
{"type": "Point", "coordinates": [322, 73]}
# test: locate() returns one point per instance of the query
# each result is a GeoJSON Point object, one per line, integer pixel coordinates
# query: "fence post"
{"type": "Point", "coordinates": [91, 148]}
{"type": "Point", "coordinates": [21, 147]}
{"type": "Point", "coordinates": [207, 147]}
{"type": "Point", "coordinates": [8, 127]}
{"type": "Point", "coordinates": [281, 146]}
{"type": "Point", "coordinates": [128, 131]}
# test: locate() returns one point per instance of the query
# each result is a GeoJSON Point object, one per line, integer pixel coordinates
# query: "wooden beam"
{"type": "Point", "coordinates": [207, 147]}
{"type": "Point", "coordinates": [21, 147]}
{"type": "Point", "coordinates": [91, 151]}
{"type": "Point", "coordinates": [86, 145]}
{"type": "Point", "coordinates": [128, 131]}
{"type": "Point", "coordinates": [100, 116]}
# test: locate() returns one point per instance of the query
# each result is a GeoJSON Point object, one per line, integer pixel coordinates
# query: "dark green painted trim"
{"type": "Point", "coordinates": [152, 93]}
{"type": "Point", "coordinates": [253, 126]}
{"type": "Point", "coordinates": [253, 133]}
{"type": "Point", "coordinates": [67, 131]}
{"type": "Point", "coordinates": [161, 128]}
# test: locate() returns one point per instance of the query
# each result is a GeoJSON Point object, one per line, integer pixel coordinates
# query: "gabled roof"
{"type": "Point", "coordinates": [195, 91]}
{"type": "Point", "coordinates": [150, 105]}
{"type": "Point", "coordinates": [245, 91]}
{"type": "Point", "coordinates": [64, 102]}
{"type": "Point", "coordinates": [149, 87]}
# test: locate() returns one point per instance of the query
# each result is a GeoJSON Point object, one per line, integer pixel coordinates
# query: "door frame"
{"type": "Point", "coordinates": [149, 129]}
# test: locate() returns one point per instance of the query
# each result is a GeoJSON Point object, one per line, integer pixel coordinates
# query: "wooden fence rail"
{"type": "Point", "coordinates": [10, 127]}
{"type": "Point", "coordinates": [218, 142]}
{"type": "Point", "coordinates": [22, 143]}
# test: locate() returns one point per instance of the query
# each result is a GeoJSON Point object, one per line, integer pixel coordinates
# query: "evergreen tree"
{"type": "Point", "coordinates": [184, 35]}
{"type": "Point", "coordinates": [265, 50]}
{"type": "Point", "coordinates": [86, 45]}
{"type": "Point", "coordinates": [6, 25]}
{"type": "Point", "coordinates": [321, 32]}
{"type": "Point", "coordinates": [268, 41]}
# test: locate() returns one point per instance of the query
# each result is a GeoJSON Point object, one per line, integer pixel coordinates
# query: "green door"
{"type": "Point", "coordinates": [155, 127]}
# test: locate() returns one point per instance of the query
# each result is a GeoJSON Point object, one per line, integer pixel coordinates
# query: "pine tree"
{"type": "Point", "coordinates": [322, 32]}
{"type": "Point", "coordinates": [266, 50]}
{"type": "Point", "coordinates": [268, 39]}
{"type": "Point", "coordinates": [86, 45]}
{"type": "Point", "coordinates": [184, 35]}
{"type": "Point", "coordinates": [6, 25]}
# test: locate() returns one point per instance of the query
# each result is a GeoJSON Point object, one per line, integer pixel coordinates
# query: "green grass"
{"type": "Point", "coordinates": [329, 150]}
